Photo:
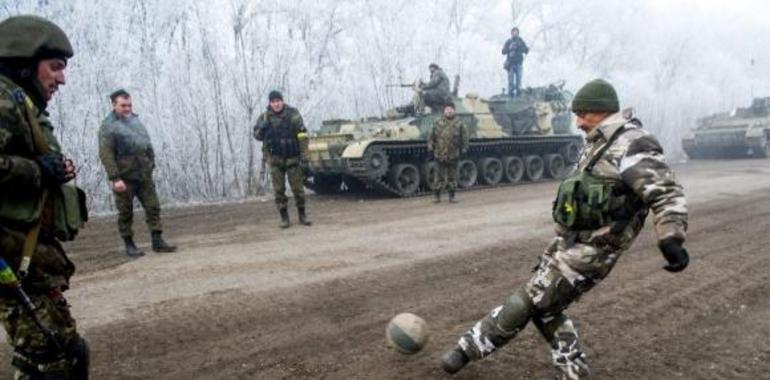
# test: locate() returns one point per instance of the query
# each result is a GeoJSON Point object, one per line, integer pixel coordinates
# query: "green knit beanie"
{"type": "Point", "coordinates": [597, 95]}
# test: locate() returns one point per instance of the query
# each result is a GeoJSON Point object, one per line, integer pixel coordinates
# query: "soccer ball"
{"type": "Point", "coordinates": [407, 333]}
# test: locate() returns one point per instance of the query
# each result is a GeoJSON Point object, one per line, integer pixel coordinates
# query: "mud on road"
{"type": "Point", "coordinates": [246, 300]}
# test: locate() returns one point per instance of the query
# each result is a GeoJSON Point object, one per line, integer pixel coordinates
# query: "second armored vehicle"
{"type": "Point", "coordinates": [526, 138]}
{"type": "Point", "coordinates": [743, 132]}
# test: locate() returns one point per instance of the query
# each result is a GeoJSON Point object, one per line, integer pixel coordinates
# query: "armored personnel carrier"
{"type": "Point", "coordinates": [744, 132]}
{"type": "Point", "coordinates": [513, 140]}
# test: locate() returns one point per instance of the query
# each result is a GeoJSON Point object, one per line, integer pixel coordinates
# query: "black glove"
{"type": "Point", "coordinates": [675, 254]}
{"type": "Point", "coordinates": [52, 169]}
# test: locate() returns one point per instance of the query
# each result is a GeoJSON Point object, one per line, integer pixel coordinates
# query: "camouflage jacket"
{"type": "Point", "coordinates": [125, 149]}
{"type": "Point", "coordinates": [635, 159]}
{"type": "Point", "coordinates": [438, 82]}
{"type": "Point", "coordinates": [283, 134]}
{"type": "Point", "coordinates": [21, 192]}
{"type": "Point", "coordinates": [448, 139]}
{"type": "Point", "coordinates": [20, 177]}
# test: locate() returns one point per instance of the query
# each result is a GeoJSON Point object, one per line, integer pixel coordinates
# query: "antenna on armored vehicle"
{"type": "Point", "coordinates": [456, 88]}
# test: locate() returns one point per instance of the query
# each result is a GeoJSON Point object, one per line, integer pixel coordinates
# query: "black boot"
{"type": "Point", "coordinates": [437, 196]}
{"type": "Point", "coordinates": [303, 220]}
{"type": "Point", "coordinates": [453, 361]}
{"type": "Point", "coordinates": [284, 218]}
{"type": "Point", "coordinates": [452, 196]}
{"type": "Point", "coordinates": [131, 248]}
{"type": "Point", "coordinates": [160, 245]}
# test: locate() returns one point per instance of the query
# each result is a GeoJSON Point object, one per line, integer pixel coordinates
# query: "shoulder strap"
{"type": "Point", "coordinates": [604, 148]}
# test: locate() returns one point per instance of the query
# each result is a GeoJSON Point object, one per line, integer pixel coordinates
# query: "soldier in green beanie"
{"type": "Point", "coordinates": [625, 175]}
{"type": "Point", "coordinates": [35, 184]}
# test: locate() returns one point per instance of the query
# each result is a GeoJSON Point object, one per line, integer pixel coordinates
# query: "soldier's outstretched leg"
{"type": "Point", "coordinates": [493, 331]}
{"type": "Point", "coordinates": [563, 275]}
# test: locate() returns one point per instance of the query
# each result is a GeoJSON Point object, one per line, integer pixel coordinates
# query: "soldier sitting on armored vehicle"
{"type": "Point", "coordinates": [433, 94]}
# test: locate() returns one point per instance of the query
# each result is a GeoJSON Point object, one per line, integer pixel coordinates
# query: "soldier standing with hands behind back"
{"type": "Point", "coordinates": [285, 147]}
{"type": "Point", "coordinates": [448, 140]}
{"type": "Point", "coordinates": [129, 160]}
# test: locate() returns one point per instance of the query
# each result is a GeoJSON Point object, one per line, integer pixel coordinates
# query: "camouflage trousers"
{"type": "Point", "coordinates": [565, 272]}
{"type": "Point", "coordinates": [34, 353]}
{"type": "Point", "coordinates": [145, 191]}
{"type": "Point", "coordinates": [280, 170]}
{"type": "Point", "coordinates": [446, 176]}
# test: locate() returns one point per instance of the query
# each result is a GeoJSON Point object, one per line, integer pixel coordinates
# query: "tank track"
{"type": "Point", "coordinates": [416, 153]}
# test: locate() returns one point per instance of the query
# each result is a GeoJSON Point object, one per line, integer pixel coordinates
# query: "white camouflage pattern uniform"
{"type": "Point", "coordinates": [575, 261]}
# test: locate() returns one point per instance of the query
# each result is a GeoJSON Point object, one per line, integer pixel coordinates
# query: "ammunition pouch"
{"type": "Point", "coordinates": [70, 211]}
{"type": "Point", "coordinates": [281, 142]}
{"type": "Point", "coordinates": [588, 202]}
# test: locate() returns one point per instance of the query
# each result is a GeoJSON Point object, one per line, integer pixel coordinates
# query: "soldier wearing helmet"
{"type": "Point", "coordinates": [37, 202]}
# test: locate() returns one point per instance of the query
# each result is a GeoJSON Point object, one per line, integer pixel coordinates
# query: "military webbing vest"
{"type": "Point", "coordinates": [282, 139]}
{"type": "Point", "coordinates": [586, 201]}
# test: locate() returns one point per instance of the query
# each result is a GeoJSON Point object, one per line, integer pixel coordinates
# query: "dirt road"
{"type": "Point", "coordinates": [246, 300]}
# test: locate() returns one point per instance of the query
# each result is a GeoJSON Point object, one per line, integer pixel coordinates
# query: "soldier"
{"type": "Point", "coordinates": [448, 140]}
{"type": "Point", "coordinates": [625, 174]}
{"type": "Point", "coordinates": [285, 147]}
{"type": "Point", "coordinates": [436, 92]}
{"type": "Point", "coordinates": [33, 200]}
{"type": "Point", "coordinates": [514, 50]}
{"type": "Point", "coordinates": [126, 153]}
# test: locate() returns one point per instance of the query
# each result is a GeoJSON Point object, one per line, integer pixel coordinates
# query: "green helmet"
{"type": "Point", "coordinates": [597, 95]}
{"type": "Point", "coordinates": [33, 37]}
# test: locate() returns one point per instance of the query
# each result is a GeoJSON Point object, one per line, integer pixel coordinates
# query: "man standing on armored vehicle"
{"type": "Point", "coordinates": [448, 140]}
{"type": "Point", "coordinates": [36, 207]}
{"type": "Point", "coordinates": [285, 147]}
{"type": "Point", "coordinates": [128, 158]}
{"type": "Point", "coordinates": [514, 50]}
{"type": "Point", "coordinates": [625, 175]}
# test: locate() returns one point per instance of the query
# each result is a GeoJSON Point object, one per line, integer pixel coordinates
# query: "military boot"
{"type": "Point", "coordinates": [160, 245]}
{"type": "Point", "coordinates": [437, 196]}
{"type": "Point", "coordinates": [303, 220]}
{"type": "Point", "coordinates": [452, 196]}
{"type": "Point", "coordinates": [284, 218]}
{"type": "Point", "coordinates": [131, 249]}
{"type": "Point", "coordinates": [454, 360]}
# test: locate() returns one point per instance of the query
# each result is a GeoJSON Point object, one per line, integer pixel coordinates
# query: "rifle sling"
{"type": "Point", "coordinates": [41, 148]}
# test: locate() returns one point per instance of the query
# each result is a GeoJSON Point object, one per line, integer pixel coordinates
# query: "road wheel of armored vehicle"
{"type": "Point", "coordinates": [466, 174]}
{"type": "Point", "coordinates": [554, 165]}
{"type": "Point", "coordinates": [571, 153]}
{"type": "Point", "coordinates": [514, 169]}
{"type": "Point", "coordinates": [491, 170]}
{"type": "Point", "coordinates": [405, 178]}
{"type": "Point", "coordinates": [534, 167]}
{"type": "Point", "coordinates": [376, 161]}
{"type": "Point", "coordinates": [428, 175]}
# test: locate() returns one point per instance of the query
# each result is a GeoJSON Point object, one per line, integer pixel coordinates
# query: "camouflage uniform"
{"type": "Point", "coordinates": [126, 153]}
{"type": "Point", "coordinates": [286, 148]}
{"type": "Point", "coordinates": [22, 186]}
{"type": "Point", "coordinates": [435, 93]}
{"type": "Point", "coordinates": [577, 260]}
{"type": "Point", "coordinates": [448, 140]}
